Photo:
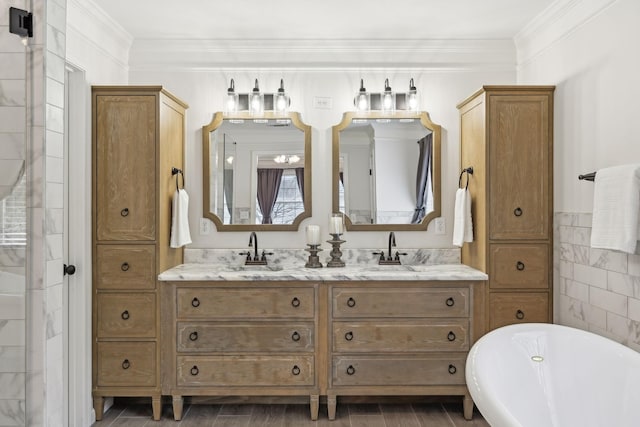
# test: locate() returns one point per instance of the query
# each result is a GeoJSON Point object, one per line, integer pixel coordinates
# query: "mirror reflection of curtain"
{"type": "Point", "coordinates": [228, 192]}
{"type": "Point", "coordinates": [300, 179]}
{"type": "Point", "coordinates": [424, 171]}
{"type": "Point", "coordinates": [267, 191]}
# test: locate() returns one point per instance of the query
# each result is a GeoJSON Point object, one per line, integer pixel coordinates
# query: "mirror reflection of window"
{"type": "Point", "coordinates": [13, 217]}
{"type": "Point", "coordinates": [289, 201]}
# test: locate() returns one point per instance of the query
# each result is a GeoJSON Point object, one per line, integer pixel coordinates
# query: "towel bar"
{"type": "Point", "coordinates": [587, 177]}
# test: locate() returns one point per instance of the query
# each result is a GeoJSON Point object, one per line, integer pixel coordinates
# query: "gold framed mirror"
{"type": "Point", "coordinates": [386, 170]}
{"type": "Point", "coordinates": [256, 172]}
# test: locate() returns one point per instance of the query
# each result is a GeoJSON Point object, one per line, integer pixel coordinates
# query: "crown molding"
{"type": "Point", "coordinates": [206, 55]}
{"type": "Point", "coordinates": [86, 20]}
{"type": "Point", "coordinates": [556, 22]}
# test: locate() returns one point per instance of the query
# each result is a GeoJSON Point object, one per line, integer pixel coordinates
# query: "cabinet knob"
{"type": "Point", "coordinates": [295, 302]}
{"type": "Point", "coordinates": [519, 314]}
{"type": "Point", "coordinates": [124, 212]}
{"type": "Point", "coordinates": [351, 302]}
{"type": "Point", "coordinates": [520, 265]}
{"type": "Point", "coordinates": [348, 336]}
{"type": "Point", "coordinates": [295, 336]}
{"type": "Point", "coordinates": [295, 370]}
{"type": "Point", "coordinates": [195, 371]}
{"type": "Point", "coordinates": [193, 336]}
{"type": "Point", "coordinates": [517, 211]}
{"type": "Point", "coordinates": [195, 302]}
{"type": "Point", "coordinates": [124, 266]}
{"type": "Point", "coordinates": [351, 370]}
{"type": "Point", "coordinates": [452, 369]}
{"type": "Point", "coordinates": [450, 302]}
{"type": "Point", "coordinates": [126, 364]}
{"type": "Point", "coordinates": [451, 336]}
{"type": "Point", "coordinates": [125, 315]}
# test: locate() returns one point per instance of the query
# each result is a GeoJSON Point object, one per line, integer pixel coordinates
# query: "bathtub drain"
{"type": "Point", "coordinates": [537, 358]}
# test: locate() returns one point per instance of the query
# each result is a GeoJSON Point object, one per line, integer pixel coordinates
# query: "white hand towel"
{"type": "Point", "coordinates": [462, 225]}
{"type": "Point", "coordinates": [180, 234]}
{"type": "Point", "coordinates": [616, 205]}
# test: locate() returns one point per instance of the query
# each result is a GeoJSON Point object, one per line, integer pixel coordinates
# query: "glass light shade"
{"type": "Point", "coordinates": [412, 97]}
{"type": "Point", "coordinates": [388, 98]}
{"type": "Point", "coordinates": [230, 102]}
{"type": "Point", "coordinates": [256, 101]}
{"type": "Point", "coordinates": [362, 101]}
{"type": "Point", "coordinates": [281, 104]}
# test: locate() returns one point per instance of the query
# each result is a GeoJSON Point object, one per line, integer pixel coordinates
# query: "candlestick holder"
{"type": "Point", "coordinates": [335, 253]}
{"type": "Point", "coordinates": [314, 259]}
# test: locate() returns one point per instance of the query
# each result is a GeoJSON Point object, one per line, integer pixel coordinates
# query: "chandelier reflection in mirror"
{"type": "Point", "coordinates": [386, 101]}
{"type": "Point", "coordinates": [256, 102]}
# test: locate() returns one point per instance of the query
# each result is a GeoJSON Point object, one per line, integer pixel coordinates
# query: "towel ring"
{"type": "Point", "coordinates": [175, 171]}
{"type": "Point", "coordinates": [469, 171]}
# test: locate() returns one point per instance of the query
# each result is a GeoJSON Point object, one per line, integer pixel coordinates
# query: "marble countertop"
{"type": "Point", "coordinates": [222, 272]}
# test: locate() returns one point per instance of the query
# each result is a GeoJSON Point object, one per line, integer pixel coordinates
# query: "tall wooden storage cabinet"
{"type": "Point", "coordinates": [507, 137]}
{"type": "Point", "coordinates": [137, 137]}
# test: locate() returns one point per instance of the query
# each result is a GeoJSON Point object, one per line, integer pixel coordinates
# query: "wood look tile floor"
{"type": "Point", "coordinates": [428, 414]}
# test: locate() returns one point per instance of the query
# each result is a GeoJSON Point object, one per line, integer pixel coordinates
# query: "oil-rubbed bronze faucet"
{"type": "Point", "coordinates": [256, 260]}
{"type": "Point", "coordinates": [390, 259]}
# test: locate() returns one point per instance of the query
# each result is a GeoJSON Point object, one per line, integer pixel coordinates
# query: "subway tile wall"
{"type": "Point", "coordinates": [597, 290]}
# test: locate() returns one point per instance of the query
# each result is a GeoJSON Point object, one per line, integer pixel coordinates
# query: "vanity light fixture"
{"type": "Point", "coordinates": [388, 98]}
{"type": "Point", "coordinates": [282, 101]}
{"type": "Point", "coordinates": [362, 100]}
{"type": "Point", "coordinates": [256, 101]}
{"type": "Point", "coordinates": [231, 99]}
{"type": "Point", "coordinates": [286, 159]}
{"type": "Point", "coordinates": [387, 101]}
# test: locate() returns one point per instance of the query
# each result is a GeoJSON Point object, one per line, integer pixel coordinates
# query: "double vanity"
{"type": "Point", "coordinates": [286, 330]}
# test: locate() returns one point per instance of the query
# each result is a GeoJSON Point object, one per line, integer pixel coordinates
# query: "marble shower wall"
{"type": "Point", "coordinates": [596, 290]}
{"type": "Point", "coordinates": [12, 258]}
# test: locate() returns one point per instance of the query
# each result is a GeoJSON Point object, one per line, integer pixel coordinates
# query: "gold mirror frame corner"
{"type": "Point", "coordinates": [425, 120]}
{"type": "Point", "coordinates": [216, 121]}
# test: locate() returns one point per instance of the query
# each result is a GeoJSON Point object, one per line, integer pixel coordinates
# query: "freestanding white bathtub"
{"type": "Point", "coordinates": [539, 375]}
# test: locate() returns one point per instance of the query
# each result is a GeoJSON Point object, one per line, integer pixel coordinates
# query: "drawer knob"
{"type": "Point", "coordinates": [450, 302]}
{"type": "Point", "coordinates": [295, 336]}
{"type": "Point", "coordinates": [124, 266]}
{"type": "Point", "coordinates": [451, 336]}
{"type": "Point", "coordinates": [452, 369]}
{"type": "Point", "coordinates": [125, 315]}
{"type": "Point", "coordinates": [351, 370]}
{"type": "Point", "coordinates": [519, 314]}
{"type": "Point", "coordinates": [193, 336]}
{"type": "Point", "coordinates": [124, 212]}
{"type": "Point", "coordinates": [517, 212]}
{"type": "Point", "coordinates": [351, 302]}
{"type": "Point", "coordinates": [520, 265]}
{"type": "Point", "coordinates": [295, 302]}
{"type": "Point", "coordinates": [195, 302]}
{"type": "Point", "coordinates": [195, 371]}
{"type": "Point", "coordinates": [295, 370]}
{"type": "Point", "coordinates": [126, 364]}
{"type": "Point", "coordinates": [348, 336]}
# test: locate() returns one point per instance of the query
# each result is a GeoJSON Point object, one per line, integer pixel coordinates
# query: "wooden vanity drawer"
{"type": "Point", "coordinates": [519, 266]}
{"type": "Point", "coordinates": [431, 336]}
{"type": "Point", "coordinates": [126, 315]}
{"type": "Point", "coordinates": [507, 308]}
{"type": "Point", "coordinates": [234, 371]}
{"type": "Point", "coordinates": [126, 364]}
{"type": "Point", "coordinates": [126, 267]}
{"type": "Point", "coordinates": [400, 302]}
{"type": "Point", "coordinates": [245, 337]}
{"type": "Point", "coordinates": [398, 370]}
{"type": "Point", "coordinates": [243, 303]}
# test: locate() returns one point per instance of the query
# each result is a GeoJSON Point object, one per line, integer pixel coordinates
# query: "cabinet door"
{"type": "Point", "coordinates": [125, 159]}
{"type": "Point", "coordinates": [519, 147]}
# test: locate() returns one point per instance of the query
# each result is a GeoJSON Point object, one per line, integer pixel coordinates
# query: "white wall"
{"type": "Point", "coordinates": [441, 90]}
{"type": "Point", "coordinates": [592, 55]}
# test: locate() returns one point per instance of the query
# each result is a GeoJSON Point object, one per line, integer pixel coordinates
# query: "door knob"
{"type": "Point", "coordinates": [69, 269]}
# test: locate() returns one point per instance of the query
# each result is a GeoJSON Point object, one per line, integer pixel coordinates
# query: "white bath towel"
{"type": "Point", "coordinates": [616, 206]}
{"type": "Point", "coordinates": [462, 223]}
{"type": "Point", "coordinates": [180, 234]}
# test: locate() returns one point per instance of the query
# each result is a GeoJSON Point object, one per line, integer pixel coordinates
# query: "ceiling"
{"type": "Point", "coordinates": [325, 19]}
